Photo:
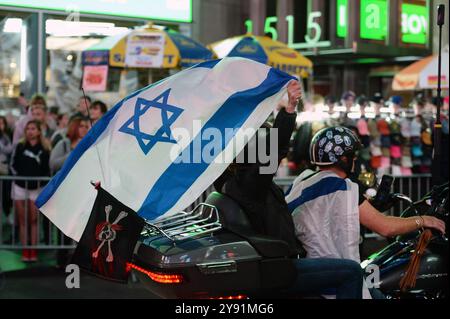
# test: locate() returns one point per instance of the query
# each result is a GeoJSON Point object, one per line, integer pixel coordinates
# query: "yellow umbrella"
{"type": "Point", "coordinates": [149, 47]}
{"type": "Point", "coordinates": [265, 50]}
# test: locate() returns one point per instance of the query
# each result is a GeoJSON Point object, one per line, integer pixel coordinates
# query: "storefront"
{"type": "Point", "coordinates": [42, 41]}
{"type": "Point", "coordinates": [349, 40]}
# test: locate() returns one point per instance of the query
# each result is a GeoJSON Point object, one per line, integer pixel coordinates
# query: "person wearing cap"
{"type": "Point", "coordinates": [327, 207]}
{"type": "Point", "coordinates": [332, 117]}
{"type": "Point", "coordinates": [397, 104]}
{"type": "Point", "coordinates": [348, 101]}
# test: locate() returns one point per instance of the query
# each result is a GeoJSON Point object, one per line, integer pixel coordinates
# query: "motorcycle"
{"type": "Point", "coordinates": [392, 261]}
{"type": "Point", "coordinates": [211, 252]}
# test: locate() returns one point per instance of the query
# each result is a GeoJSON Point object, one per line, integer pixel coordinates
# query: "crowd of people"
{"type": "Point", "coordinates": [396, 140]}
{"type": "Point", "coordinates": [36, 145]}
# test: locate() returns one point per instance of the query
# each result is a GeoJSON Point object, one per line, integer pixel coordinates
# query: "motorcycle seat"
{"type": "Point", "coordinates": [234, 219]}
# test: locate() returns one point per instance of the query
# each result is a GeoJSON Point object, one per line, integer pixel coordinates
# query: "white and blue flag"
{"type": "Point", "coordinates": [130, 150]}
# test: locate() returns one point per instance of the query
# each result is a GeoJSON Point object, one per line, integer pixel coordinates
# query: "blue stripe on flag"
{"type": "Point", "coordinates": [179, 177]}
{"type": "Point", "coordinates": [324, 187]}
{"type": "Point", "coordinates": [208, 64]}
{"type": "Point", "coordinates": [288, 190]}
{"type": "Point", "coordinates": [92, 137]}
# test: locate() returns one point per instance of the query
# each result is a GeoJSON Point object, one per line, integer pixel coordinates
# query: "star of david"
{"type": "Point", "coordinates": [169, 114]}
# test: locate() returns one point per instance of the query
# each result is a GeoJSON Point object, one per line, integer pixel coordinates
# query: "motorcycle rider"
{"type": "Point", "coordinates": [264, 203]}
{"type": "Point", "coordinates": [327, 208]}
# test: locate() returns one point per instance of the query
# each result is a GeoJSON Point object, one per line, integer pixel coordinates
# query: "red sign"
{"type": "Point", "coordinates": [95, 78]}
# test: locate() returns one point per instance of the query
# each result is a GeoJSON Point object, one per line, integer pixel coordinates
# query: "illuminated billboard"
{"type": "Point", "coordinates": [167, 10]}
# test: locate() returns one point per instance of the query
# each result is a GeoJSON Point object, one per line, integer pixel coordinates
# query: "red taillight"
{"type": "Point", "coordinates": [158, 277]}
{"type": "Point", "coordinates": [231, 297]}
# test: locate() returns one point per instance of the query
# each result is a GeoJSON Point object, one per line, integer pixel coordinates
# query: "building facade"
{"type": "Point", "coordinates": [356, 45]}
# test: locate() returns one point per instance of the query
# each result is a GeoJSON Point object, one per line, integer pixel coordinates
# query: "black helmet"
{"type": "Point", "coordinates": [331, 144]}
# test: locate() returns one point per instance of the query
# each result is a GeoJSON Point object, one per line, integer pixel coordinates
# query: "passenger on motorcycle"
{"type": "Point", "coordinates": [327, 208]}
{"type": "Point", "coordinates": [264, 203]}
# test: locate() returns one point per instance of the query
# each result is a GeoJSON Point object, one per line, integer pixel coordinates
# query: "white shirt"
{"type": "Point", "coordinates": [325, 211]}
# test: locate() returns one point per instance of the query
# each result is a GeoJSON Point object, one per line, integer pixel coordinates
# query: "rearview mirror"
{"type": "Point", "coordinates": [367, 179]}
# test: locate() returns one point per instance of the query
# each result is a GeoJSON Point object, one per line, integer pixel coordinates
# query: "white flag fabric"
{"type": "Point", "coordinates": [135, 141]}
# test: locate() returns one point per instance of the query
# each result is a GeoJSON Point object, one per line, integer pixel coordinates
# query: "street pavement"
{"type": "Point", "coordinates": [50, 283]}
{"type": "Point", "coordinates": [44, 281]}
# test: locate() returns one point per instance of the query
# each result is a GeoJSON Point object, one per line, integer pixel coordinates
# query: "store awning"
{"type": "Point", "coordinates": [149, 47]}
{"type": "Point", "coordinates": [69, 43]}
{"type": "Point", "coordinates": [423, 74]}
{"type": "Point", "coordinates": [264, 50]}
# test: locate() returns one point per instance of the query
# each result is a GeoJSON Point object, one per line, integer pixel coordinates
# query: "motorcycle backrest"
{"type": "Point", "coordinates": [231, 214]}
{"type": "Point", "coordinates": [233, 218]}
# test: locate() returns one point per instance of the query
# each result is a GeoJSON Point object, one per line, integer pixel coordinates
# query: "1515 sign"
{"type": "Point", "coordinates": [312, 38]}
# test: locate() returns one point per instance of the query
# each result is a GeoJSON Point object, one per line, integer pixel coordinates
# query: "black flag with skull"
{"type": "Point", "coordinates": [109, 238]}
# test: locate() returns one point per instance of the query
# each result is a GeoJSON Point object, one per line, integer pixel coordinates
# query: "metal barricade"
{"type": "Point", "coordinates": [18, 223]}
{"type": "Point", "coordinates": [49, 237]}
{"type": "Point", "coordinates": [414, 186]}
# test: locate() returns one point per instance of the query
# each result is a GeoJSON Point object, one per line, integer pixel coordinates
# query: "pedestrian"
{"type": "Point", "coordinates": [30, 158]}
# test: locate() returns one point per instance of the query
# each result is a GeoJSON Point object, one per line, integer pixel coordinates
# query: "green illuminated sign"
{"type": "Point", "coordinates": [167, 10]}
{"type": "Point", "coordinates": [414, 23]}
{"type": "Point", "coordinates": [374, 19]}
{"type": "Point", "coordinates": [313, 27]}
{"type": "Point", "coordinates": [341, 18]}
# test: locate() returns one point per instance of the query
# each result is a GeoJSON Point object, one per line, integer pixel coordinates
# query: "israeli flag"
{"type": "Point", "coordinates": [135, 152]}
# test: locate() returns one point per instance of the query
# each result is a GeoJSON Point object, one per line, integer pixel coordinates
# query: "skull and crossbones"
{"type": "Point", "coordinates": [106, 232]}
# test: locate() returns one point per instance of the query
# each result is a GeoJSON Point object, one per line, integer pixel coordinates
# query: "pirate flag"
{"type": "Point", "coordinates": [108, 240]}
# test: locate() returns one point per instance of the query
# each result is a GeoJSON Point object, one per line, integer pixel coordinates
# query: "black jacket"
{"type": "Point", "coordinates": [261, 199]}
{"type": "Point", "coordinates": [28, 160]}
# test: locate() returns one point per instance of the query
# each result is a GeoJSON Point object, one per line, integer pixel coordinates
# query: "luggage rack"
{"type": "Point", "coordinates": [203, 219]}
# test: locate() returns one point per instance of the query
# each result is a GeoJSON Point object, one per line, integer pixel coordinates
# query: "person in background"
{"type": "Point", "coordinates": [378, 101]}
{"type": "Point", "coordinates": [97, 110]}
{"type": "Point", "coordinates": [39, 113]}
{"type": "Point", "coordinates": [82, 108]}
{"type": "Point", "coordinates": [419, 104]}
{"type": "Point", "coordinates": [332, 117]}
{"type": "Point", "coordinates": [6, 149]}
{"type": "Point", "coordinates": [52, 117]}
{"type": "Point", "coordinates": [60, 133]}
{"type": "Point", "coordinates": [348, 101]}
{"type": "Point", "coordinates": [36, 100]}
{"type": "Point", "coordinates": [22, 103]}
{"type": "Point", "coordinates": [30, 158]}
{"type": "Point", "coordinates": [397, 101]}
{"type": "Point", "coordinates": [76, 130]}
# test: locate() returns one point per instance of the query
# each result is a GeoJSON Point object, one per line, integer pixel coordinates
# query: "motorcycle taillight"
{"type": "Point", "coordinates": [158, 277]}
